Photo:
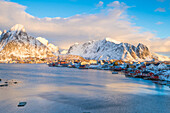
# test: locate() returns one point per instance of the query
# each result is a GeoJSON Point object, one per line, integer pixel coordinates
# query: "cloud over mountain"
{"type": "Point", "coordinates": [113, 22]}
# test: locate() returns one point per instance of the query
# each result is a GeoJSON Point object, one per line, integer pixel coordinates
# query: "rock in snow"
{"type": "Point", "coordinates": [110, 49]}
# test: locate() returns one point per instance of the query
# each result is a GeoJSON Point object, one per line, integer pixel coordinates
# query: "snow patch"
{"type": "Point", "coordinates": [52, 47]}
{"type": "Point", "coordinates": [112, 40]}
{"type": "Point", "coordinates": [64, 51]}
{"type": "Point", "coordinates": [76, 43]}
{"type": "Point", "coordinates": [43, 40]}
{"type": "Point", "coordinates": [18, 28]}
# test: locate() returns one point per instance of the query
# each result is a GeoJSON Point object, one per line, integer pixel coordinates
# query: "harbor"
{"type": "Point", "coordinates": [158, 71]}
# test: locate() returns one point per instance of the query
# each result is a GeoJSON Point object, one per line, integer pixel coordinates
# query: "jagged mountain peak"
{"type": "Point", "coordinates": [18, 28]}
{"type": "Point", "coordinates": [142, 46]}
{"type": "Point", "coordinates": [107, 39]}
{"type": "Point", "coordinates": [107, 49]}
{"type": "Point", "coordinates": [15, 43]}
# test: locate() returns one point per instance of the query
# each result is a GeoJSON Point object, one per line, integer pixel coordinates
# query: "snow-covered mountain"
{"type": "Point", "coordinates": [110, 49]}
{"type": "Point", "coordinates": [15, 43]}
{"type": "Point", "coordinates": [160, 57]}
{"type": "Point", "coordinates": [51, 46]}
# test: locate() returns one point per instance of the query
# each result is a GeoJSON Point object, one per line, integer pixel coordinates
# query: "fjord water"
{"type": "Point", "coordinates": [68, 90]}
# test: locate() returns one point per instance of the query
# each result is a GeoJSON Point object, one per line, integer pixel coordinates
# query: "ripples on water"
{"type": "Point", "coordinates": [67, 90]}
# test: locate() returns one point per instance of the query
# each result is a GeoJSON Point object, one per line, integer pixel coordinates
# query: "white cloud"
{"type": "Point", "coordinates": [161, 45]}
{"type": "Point", "coordinates": [159, 23]}
{"type": "Point", "coordinates": [160, 10]}
{"type": "Point", "coordinates": [112, 22]}
{"type": "Point", "coordinates": [118, 4]}
{"type": "Point", "coordinates": [114, 4]}
{"type": "Point", "coordinates": [100, 4]}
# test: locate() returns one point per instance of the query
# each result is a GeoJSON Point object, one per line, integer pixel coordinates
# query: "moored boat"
{"type": "Point", "coordinates": [114, 72]}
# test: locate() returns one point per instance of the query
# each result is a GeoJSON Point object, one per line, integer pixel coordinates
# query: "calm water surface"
{"type": "Point", "coordinates": [67, 90]}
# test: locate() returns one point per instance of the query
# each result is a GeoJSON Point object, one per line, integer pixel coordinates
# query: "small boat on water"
{"type": "Point", "coordinates": [3, 85]}
{"type": "Point", "coordinates": [22, 104]}
{"type": "Point", "coordinates": [114, 72]}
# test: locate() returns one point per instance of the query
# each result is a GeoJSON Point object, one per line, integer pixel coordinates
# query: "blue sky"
{"type": "Point", "coordinates": [143, 11]}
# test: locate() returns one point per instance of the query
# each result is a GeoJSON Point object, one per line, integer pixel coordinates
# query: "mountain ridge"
{"type": "Point", "coordinates": [107, 49]}
{"type": "Point", "coordinates": [15, 43]}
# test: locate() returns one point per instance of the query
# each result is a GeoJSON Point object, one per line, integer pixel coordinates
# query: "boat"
{"type": "Point", "coordinates": [114, 72]}
{"type": "Point", "coordinates": [3, 85]}
{"type": "Point", "coordinates": [22, 104]}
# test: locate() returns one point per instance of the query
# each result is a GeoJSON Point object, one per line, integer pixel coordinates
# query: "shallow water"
{"type": "Point", "coordinates": [67, 90]}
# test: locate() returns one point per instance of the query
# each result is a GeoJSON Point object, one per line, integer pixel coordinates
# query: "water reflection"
{"type": "Point", "coordinates": [65, 90]}
{"type": "Point", "coordinates": [134, 88]}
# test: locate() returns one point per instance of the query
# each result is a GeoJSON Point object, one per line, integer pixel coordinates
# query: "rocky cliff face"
{"type": "Point", "coordinates": [110, 49]}
{"type": "Point", "coordinates": [15, 43]}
